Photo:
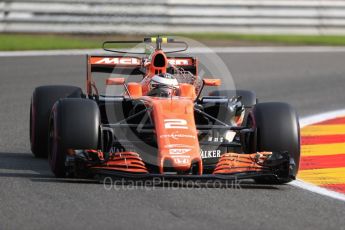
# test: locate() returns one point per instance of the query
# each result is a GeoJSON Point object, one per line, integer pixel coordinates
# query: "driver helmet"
{"type": "Point", "coordinates": [163, 85]}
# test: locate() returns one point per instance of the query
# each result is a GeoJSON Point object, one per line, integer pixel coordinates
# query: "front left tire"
{"type": "Point", "coordinates": [74, 125]}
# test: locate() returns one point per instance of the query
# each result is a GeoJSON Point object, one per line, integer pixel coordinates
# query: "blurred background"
{"type": "Point", "coordinates": [58, 24]}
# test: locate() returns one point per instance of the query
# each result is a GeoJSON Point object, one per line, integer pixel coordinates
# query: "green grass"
{"type": "Point", "coordinates": [9, 42]}
{"type": "Point", "coordinates": [278, 39]}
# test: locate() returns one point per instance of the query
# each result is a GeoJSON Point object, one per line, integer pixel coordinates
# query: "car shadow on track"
{"type": "Point", "coordinates": [244, 184]}
{"type": "Point", "coordinates": [25, 165]}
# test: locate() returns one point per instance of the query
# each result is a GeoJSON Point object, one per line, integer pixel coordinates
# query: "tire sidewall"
{"type": "Point", "coordinates": [56, 154]}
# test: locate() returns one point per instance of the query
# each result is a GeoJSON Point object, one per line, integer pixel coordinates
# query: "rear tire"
{"type": "Point", "coordinates": [74, 124]}
{"type": "Point", "coordinates": [277, 129]}
{"type": "Point", "coordinates": [248, 97]}
{"type": "Point", "coordinates": [42, 101]}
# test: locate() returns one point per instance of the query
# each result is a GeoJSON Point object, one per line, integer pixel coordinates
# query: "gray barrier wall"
{"type": "Point", "coordinates": [164, 16]}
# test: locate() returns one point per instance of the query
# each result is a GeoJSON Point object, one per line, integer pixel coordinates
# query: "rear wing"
{"type": "Point", "coordinates": [117, 64]}
{"type": "Point", "coordinates": [130, 65]}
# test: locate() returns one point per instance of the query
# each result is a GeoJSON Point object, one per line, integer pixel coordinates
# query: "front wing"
{"type": "Point", "coordinates": [231, 166]}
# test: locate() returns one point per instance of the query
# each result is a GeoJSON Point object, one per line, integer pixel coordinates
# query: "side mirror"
{"type": "Point", "coordinates": [208, 82]}
{"type": "Point", "coordinates": [115, 81]}
{"type": "Point", "coordinates": [212, 82]}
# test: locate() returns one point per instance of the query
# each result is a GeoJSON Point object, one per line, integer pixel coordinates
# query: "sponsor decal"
{"type": "Point", "coordinates": [178, 151]}
{"type": "Point", "coordinates": [181, 160]}
{"type": "Point", "coordinates": [116, 150]}
{"type": "Point", "coordinates": [210, 153]}
{"type": "Point", "coordinates": [177, 136]}
{"type": "Point", "coordinates": [170, 146]}
{"type": "Point", "coordinates": [116, 61]}
{"type": "Point", "coordinates": [216, 139]}
{"type": "Point", "coordinates": [175, 124]}
{"type": "Point", "coordinates": [180, 62]}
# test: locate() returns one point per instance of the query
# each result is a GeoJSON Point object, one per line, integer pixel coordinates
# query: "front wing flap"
{"type": "Point", "coordinates": [278, 165]}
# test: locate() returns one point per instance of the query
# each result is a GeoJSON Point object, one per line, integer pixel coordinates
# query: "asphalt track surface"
{"type": "Point", "coordinates": [31, 198]}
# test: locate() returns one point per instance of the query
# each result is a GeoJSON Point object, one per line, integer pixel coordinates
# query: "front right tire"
{"type": "Point", "coordinates": [277, 130]}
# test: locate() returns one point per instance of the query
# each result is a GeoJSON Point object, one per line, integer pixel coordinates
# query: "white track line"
{"type": "Point", "coordinates": [285, 49]}
{"type": "Point", "coordinates": [305, 185]}
{"type": "Point", "coordinates": [273, 49]}
{"type": "Point", "coordinates": [316, 189]}
{"type": "Point", "coordinates": [321, 117]}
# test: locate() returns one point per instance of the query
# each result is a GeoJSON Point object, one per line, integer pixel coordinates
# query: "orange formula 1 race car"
{"type": "Point", "coordinates": [161, 124]}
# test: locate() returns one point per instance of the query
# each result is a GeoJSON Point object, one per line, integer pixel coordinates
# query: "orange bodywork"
{"type": "Point", "coordinates": [135, 90]}
{"type": "Point", "coordinates": [175, 129]}
{"type": "Point", "coordinates": [154, 67]}
{"type": "Point", "coordinates": [236, 163]}
{"type": "Point", "coordinates": [187, 90]}
{"type": "Point", "coordinates": [125, 162]}
{"type": "Point", "coordinates": [176, 133]}
{"type": "Point", "coordinates": [212, 82]}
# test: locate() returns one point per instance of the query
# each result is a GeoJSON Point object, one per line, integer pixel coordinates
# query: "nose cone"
{"type": "Point", "coordinates": [178, 159]}
{"type": "Point", "coordinates": [177, 137]}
